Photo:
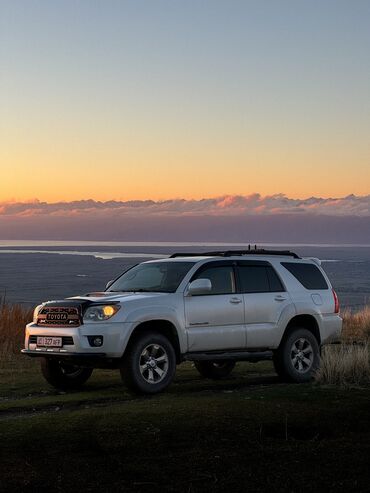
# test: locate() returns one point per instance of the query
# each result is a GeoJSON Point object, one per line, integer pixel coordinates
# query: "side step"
{"type": "Point", "coordinates": [252, 356]}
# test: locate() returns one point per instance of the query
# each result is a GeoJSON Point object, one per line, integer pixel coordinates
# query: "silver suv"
{"type": "Point", "coordinates": [213, 308]}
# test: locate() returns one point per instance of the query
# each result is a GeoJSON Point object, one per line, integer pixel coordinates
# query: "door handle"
{"type": "Point", "coordinates": [279, 298]}
{"type": "Point", "coordinates": [235, 301]}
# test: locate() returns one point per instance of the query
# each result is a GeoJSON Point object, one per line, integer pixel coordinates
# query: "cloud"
{"type": "Point", "coordinates": [228, 205]}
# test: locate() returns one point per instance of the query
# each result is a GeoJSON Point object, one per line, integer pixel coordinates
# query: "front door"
{"type": "Point", "coordinates": [215, 320]}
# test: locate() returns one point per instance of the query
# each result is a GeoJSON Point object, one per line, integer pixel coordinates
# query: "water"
{"type": "Point", "coordinates": [35, 271]}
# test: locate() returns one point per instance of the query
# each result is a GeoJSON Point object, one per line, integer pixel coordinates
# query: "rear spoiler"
{"type": "Point", "coordinates": [314, 259]}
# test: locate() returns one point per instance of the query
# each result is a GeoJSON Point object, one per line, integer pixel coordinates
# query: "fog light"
{"type": "Point", "coordinates": [96, 341]}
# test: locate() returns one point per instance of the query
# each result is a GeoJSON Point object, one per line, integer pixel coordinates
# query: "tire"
{"type": "Point", "coordinates": [215, 369]}
{"type": "Point", "coordinates": [149, 365]}
{"type": "Point", "coordinates": [63, 375]}
{"type": "Point", "coordinates": [298, 357]}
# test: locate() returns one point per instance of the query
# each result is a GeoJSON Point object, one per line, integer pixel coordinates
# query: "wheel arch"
{"type": "Point", "coordinates": [161, 326]}
{"type": "Point", "coordinates": [304, 321]}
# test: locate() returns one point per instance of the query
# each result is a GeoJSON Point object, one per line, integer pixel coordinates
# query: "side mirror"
{"type": "Point", "coordinates": [199, 286]}
{"type": "Point", "coordinates": [109, 283]}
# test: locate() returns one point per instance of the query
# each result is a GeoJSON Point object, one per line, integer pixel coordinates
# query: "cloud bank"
{"type": "Point", "coordinates": [228, 205]}
{"type": "Point", "coordinates": [245, 219]}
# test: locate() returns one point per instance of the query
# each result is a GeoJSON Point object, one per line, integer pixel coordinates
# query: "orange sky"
{"type": "Point", "coordinates": [57, 169]}
{"type": "Point", "coordinates": [114, 101]}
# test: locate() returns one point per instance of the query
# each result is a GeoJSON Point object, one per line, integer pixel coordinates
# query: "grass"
{"type": "Point", "coordinates": [347, 364]}
{"type": "Point", "coordinates": [356, 325]}
{"type": "Point", "coordinates": [249, 432]}
{"type": "Point", "coordinates": [13, 319]}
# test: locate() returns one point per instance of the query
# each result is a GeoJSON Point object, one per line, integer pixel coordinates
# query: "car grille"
{"type": "Point", "coordinates": [66, 340]}
{"type": "Point", "coordinates": [59, 316]}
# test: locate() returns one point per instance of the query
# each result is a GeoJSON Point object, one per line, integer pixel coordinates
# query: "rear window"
{"type": "Point", "coordinates": [307, 274]}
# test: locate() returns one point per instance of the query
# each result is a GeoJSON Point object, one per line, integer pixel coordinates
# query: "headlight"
{"type": "Point", "coordinates": [99, 313]}
{"type": "Point", "coordinates": [36, 312]}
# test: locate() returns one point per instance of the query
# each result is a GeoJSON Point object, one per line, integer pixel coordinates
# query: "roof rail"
{"type": "Point", "coordinates": [230, 253]}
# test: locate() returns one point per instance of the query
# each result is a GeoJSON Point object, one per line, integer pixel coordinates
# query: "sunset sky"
{"type": "Point", "coordinates": [186, 99]}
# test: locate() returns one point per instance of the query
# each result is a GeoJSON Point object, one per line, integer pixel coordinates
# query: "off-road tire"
{"type": "Point", "coordinates": [149, 365]}
{"type": "Point", "coordinates": [215, 369]}
{"type": "Point", "coordinates": [64, 376]}
{"type": "Point", "coordinates": [298, 356]}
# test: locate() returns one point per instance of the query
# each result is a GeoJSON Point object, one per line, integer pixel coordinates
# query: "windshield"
{"type": "Point", "coordinates": [160, 277]}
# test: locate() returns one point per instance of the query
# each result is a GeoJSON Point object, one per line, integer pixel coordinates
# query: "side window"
{"type": "Point", "coordinates": [276, 285]}
{"type": "Point", "coordinates": [259, 279]}
{"type": "Point", "coordinates": [308, 275]}
{"type": "Point", "coordinates": [253, 279]}
{"type": "Point", "coordinates": [222, 279]}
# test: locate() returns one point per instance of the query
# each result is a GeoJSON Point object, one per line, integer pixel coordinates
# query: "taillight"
{"type": "Point", "coordinates": [336, 302]}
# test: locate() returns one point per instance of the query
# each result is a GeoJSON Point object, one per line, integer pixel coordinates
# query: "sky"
{"type": "Point", "coordinates": [168, 100]}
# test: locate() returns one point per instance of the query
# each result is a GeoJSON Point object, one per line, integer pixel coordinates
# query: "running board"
{"type": "Point", "coordinates": [252, 356]}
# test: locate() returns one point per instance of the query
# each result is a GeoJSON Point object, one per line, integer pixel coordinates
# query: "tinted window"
{"type": "Point", "coordinates": [222, 279]}
{"type": "Point", "coordinates": [307, 274]}
{"type": "Point", "coordinates": [274, 281]}
{"type": "Point", "coordinates": [259, 279]}
{"type": "Point", "coordinates": [253, 279]}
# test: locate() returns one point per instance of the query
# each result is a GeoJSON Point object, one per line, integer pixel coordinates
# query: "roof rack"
{"type": "Point", "coordinates": [230, 253]}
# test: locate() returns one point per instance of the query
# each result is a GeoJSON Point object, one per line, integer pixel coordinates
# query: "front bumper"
{"type": "Point", "coordinates": [85, 360]}
{"type": "Point", "coordinates": [115, 337]}
{"type": "Point", "coordinates": [60, 353]}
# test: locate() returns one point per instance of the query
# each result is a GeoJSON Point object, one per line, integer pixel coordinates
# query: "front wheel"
{"type": "Point", "coordinates": [65, 376]}
{"type": "Point", "coordinates": [298, 357]}
{"type": "Point", "coordinates": [215, 369]}
{"type": "Point", "coordinates": [150, 364]}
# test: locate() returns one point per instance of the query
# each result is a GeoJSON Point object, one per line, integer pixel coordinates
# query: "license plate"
{"type": "Point", "coordinates": [49, 341]}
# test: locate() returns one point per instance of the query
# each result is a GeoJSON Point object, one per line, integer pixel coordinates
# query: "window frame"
{"type": "Point", "coordinates": [261, 264]}
{"type": "Point", "coordinates": [315, 267]}
{"type": "Point", "coordinates": [235, 264]}
{"type": "Point", "coordinates": [216, 265]}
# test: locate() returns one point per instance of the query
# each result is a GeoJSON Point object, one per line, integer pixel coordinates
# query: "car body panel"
{"type": "Point", "coordinates": [215, 322]}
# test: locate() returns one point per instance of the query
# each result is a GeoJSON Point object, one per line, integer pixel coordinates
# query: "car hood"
{"type": "Point", "coordinates": [105, 296]}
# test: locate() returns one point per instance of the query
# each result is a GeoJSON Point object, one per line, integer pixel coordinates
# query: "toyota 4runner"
{"type": "Point", "coordinates": [213, 308]}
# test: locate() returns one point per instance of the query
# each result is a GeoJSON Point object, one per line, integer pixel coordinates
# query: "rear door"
{"type": "Point", "coordinates": [215, 320]}
{"type": "Point", "coordinates": [264, 297]}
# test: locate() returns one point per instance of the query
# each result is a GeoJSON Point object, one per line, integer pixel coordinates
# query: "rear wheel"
{"type": "Point", "coordinates": [150, 364]}
{"type": "Point", "coordinates": [215, 369]}
{"type": "Point", "coordinates": [62, 375]}
{"type": "Point", "coordinates": [298, 357]}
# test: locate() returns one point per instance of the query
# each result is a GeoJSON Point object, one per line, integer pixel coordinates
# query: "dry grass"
{"type": "Point", "coordinates": [345, 365]}
{"type": "Point", "coordinates": [348, 363]}
{"type": "Point", "coordinates": [13, 319]}
{"type": "Point", "coordinates": [356, 325]}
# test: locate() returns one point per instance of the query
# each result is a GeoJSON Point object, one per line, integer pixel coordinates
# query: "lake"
{"type": "Point", "coordinates": [35, 271]}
